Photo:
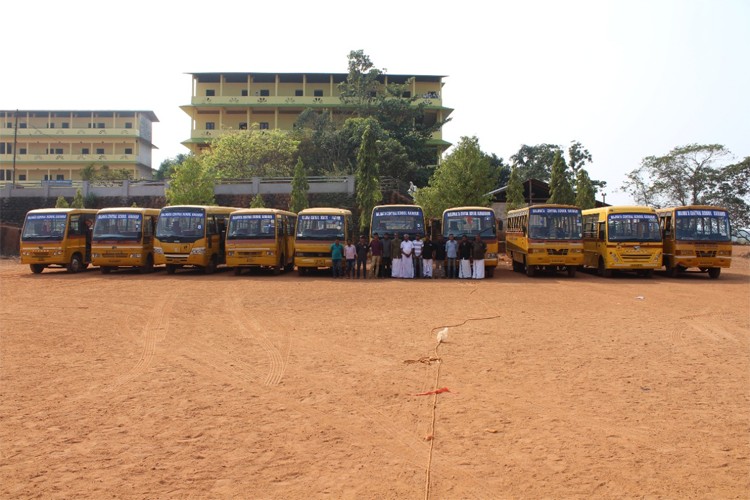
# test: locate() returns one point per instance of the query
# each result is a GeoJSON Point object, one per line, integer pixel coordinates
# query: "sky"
{"type": "Point", "coordinates": [628, 79]}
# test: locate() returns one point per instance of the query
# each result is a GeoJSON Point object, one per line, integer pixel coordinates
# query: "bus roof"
{"type": "Point", "coordinates": [324, 211]}
{"type": "Point", "coordinates": [691, 207]}
{"type": "Point", "coordinates": [619, 209]}
{"type": "Point", "coordinates": [130, 210]}
{"type": "Point", "coordinates": [243, 211]}
{"type": "Point", "coordinates": [213, 208]}
{"type": "Point", "coordinates": [456, 209]}
{"type": "Point", "coordinates": [397, 206]}
{"type": "Point", "coordinates": [63, 210]}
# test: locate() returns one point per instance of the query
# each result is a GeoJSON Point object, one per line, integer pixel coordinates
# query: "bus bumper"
{"type": "Point", "coordinates": [313, 262]}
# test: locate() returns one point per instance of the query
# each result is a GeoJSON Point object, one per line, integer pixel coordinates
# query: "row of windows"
{"type": "Point", "coordinates": [65, 125]}
{"type": "Point", "coordinates": [243, 125]}
{"type": "Point", "coordinates": [59, 151]}
{"type": "Point", "coordinates": [316, 93]}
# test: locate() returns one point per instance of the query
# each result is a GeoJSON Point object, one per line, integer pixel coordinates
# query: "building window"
{"type": "Point", "coordinates": [84, 151]}
{"type": "Point", "coordinates": [264, 125]}
{"type": "Point", "coordinates": [100, 151]}
{"type": "Point", "coordinates": [9, 125]}
{"type": "Point", "coordinates": [244, 93]}
{"type": "Point", "coordinates": [58, 151]}
{"type": "Point", "coordinates": [210, 92]}
{"type": "Point", "coordinates": [21, 151]}
{"type": "Point", "coordinates": [298, 93]}
{"type": "Point", "coordinates": [21, 125]}
{"type": "Point", "coordinates": [60, 177]}
{"type": "Point", "coordinates": [100, 125]}
{"type": "Point", "coordinates": [50, 125]}
{"type": "Point", "coordinates": [128, 124]}
{"type": "Point", "coordinates": [210, 125]}
{"type": "Point", "coordinates": [243, 125]}
{"type": "Point", "coordinates": [21, 177]}
{"type": "Point", "coordinates": [128, 151]}
{"type": "Point", "coordinates": [406, 94]}
{"type": "Point", "coordinates": [6, 148]}
{"type": "Point", "coordinates": [65, 125]}
{"type": "Point", "coordinates": [265, 92]}
{"type": "Point", "coordinates": [318, 93]}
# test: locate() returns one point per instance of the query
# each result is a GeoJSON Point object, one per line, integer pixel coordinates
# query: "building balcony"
{"type": "Point", "coordinates": [56, 134]}
{"type": "Point", "coordinates": [25, 160]}
{"type": "Point", "coordinates": [287, 101]}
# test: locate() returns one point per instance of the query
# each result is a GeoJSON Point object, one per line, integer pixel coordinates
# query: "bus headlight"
{"type": "Point", "coordinates": [198, 251]}
{"type": "Point", "coordinates": [230, 253]}
{"type": "Point", "coordinates": [491, 256]}
{"type": "Point", "coordinates": [270, 253]}
{"type": "Point", "coordinates": [724, 253]}
{"type": "Point", "coordinates": [57, 252]}
{"type": "Point", "coordinates": [135, 256]}
{"type": "Point", "coordinates": [576, 250]}
{"type": "Point", "coordinates": [159, 250]}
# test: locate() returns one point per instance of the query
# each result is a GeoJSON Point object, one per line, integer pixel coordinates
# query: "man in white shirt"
{"type": "Point", "coordinates": [407, 252]}
{"type": "Point", "coordinates": [418, 244]}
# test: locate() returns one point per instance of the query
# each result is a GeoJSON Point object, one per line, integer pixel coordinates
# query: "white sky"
{"type": "Point", "coordinates": [627, 78]}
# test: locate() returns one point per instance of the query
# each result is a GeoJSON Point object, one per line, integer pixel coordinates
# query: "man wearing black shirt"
{"type": "Point", "coordinates": [428, 250]}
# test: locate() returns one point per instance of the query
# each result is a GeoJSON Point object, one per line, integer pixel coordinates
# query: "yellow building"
{"type": "Point", "coordinates": [235, 101]}
{"type": "Point", "coordinates": [57, 145]}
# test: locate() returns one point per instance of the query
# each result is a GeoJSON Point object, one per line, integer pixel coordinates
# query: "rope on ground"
{"type": "Point", "coordinates": [438, 359]}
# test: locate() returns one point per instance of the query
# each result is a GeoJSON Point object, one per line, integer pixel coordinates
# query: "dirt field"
{"type": "Point", "coordinates": [156, 386]}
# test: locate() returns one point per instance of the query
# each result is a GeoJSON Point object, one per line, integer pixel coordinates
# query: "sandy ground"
{"type": "Point", "coordinates": [156, 386]}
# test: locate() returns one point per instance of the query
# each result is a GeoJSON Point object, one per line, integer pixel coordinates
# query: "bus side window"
{"type": "Point", "coordinates": [601, 231]}
{"type": "Point", "coordinates": [74, 226]}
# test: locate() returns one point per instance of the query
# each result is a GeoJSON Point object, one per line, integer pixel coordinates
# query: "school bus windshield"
{"type": "Point", "coordinates": [401, 221]}
{"type": "Point", "coordinates": [555, 224]}
{"type": "Point", "coordinates": [633, 227]}
{"type": "Point", "coordinates": [181, 225]}
{"type": "Point", "coordinates": [252, 227]}
{"type": "Point", "coordinates": [320, 227]}
{"type": "Point", "coordinates": [44, 227]}
{"type": "Point", "coordinates": [705, 225]}
{"type": "Point", "coordinates": [469, 223]}
{"type": "Point", "coordinates": [114, 226]}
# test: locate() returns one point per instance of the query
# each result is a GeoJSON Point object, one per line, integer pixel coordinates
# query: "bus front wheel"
{"type": "Point", "coordinates": [603, 271]}
{"type": "Point", "coordinates": [571, 271]}
{"type": "Point", "coordinates": [489, 272]}
{"type": "Point", "coordinates": [105, 269]}
{"type": "Point", "coordinates": [530, 271]}
{"type": "Point", "coordinates": [714, 272]}
{"type": "Point", "coordinates": [37, 268]}
{"type": "Point", "coordinates": [76, 264]}
{"type": "Point", "coordinates": [302, 271]}
{"type": "Point", "coordinates": [171, 268]}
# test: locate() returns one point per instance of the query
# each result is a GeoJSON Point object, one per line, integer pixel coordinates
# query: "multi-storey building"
{"type": "Point", "coordinates": [57, 145]}
{"type": "Point", "coordinates": [235, 101]}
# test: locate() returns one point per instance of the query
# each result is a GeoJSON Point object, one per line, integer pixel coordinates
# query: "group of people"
{"type": "Point", "coordinates": [396, 257]}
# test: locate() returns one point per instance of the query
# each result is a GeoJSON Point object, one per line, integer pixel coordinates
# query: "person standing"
{"type": "Point", "coordinates": [350, 255]}
{"type": "Point", "coordinates": [464, 254]}
{"type": "Point", "coordinates": [451, 254]}
{"type": "Point", "coordinates": [439, 262]}
{"type": "Point", "coordinates": [362, 249]}
{"type": "Point", "coordinates": [478, 249]}
{"type": "Point", "coordinates": [396, 256]}
{"type": "Point", "coordinates": [376, 250]}
{"type": "Point", "coordinates": [337, 253]}
{"type": "Point", "coordinates": [385, 271]}
{"type": "Point", "coordinates": [407, 256]}
{"type": "Point", "coordinates": [418, 244]}
{"type": "Point", "coordinates": [428, 251]}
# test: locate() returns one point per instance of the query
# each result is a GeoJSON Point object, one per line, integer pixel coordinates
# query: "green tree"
{"type": "Point", "coordinates": [514, 194]}
{"type": "Point", "coordinates": [192, 183]}
{"type": "Point", "coordinates": [61, 202]}
{"type": "Point", "coordinates": [249, 153]}
{"type": "Point", "coordinates": [77, 200]}
{"type": "Point", "coordinates": [298, 198]}
{"type": "Point", "coordinates": [361, 86]}
{"type": "Point", "coordinates": [257, 201]}
{"type": "Point", "coordinates": [578, 156]}
{"type": "Point", "coordinates": [584, 190]}
{"type": "Point", "coordinates": [560, 190]}
{"type": "Point", "coordinates": [368, 178]}
{"type": "Point", "coordinates": [465, 177]}
{"type": "Point", "coordinates": [168, 165]}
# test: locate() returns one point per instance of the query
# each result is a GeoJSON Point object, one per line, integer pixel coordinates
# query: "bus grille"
{"type": "Point", "coordinates": [636, 257]}
{"type": "Point", "coordinates": [115, 255]}
{"type": "Point", "coordinates": [552, 251]}
{"type": "Point", "coordinates": [705, 253]}
{"type": "Point", "coordinates": [40, 253]}
{"type": "Point", "coordinates": [313, 254]}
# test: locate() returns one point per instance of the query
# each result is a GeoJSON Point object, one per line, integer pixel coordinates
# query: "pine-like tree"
{"type": "Point", "coordinates": [368, 182]}
{"type": "Point", "coordinates": [298, 199]}
{"type": "Point", "coordinates": [61, 202]}
{"type": "Point", "coordinates": [257, 202]}
{"type": "Point", "coordinates": [584, 190]}
{"type": "Point", "coordinates": [514, 194]}
{"type": "Point", "coordinates": [560, 190]}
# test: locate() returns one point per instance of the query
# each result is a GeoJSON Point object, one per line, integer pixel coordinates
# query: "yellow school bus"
{"type": "Point", "coordinates": [696, 236]}
{"type": "Point", "coordinates": [261, 237]}
{"type": "Point", "coordinates": [317, 229]}
{"type": "Point", "coordinates": [191, 235]}
{"type": "Point", "coordinates": [397, 219]}
{"type": "Point", "coordinates": [124, 237]}
{"type": "Point", "coordinates": [622, 238]}
{"type": "Point", "coordinates": [472, 221]}
{"type": "Point", "coordinates": [57, 237]}
{"type": "Point", "coordinates": [544, 237]}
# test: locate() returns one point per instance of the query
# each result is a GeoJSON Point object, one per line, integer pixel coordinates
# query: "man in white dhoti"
{"type": "Point", "coordinates": [407, 249]}
{"type": "Point", "coordinates": [464, 254]}
{"type": "Point", "coordinates": [478, 249]}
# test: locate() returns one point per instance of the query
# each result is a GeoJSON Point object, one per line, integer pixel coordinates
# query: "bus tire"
{"type": "Point", "coordinates": [211, 267]}
{"type": "Point", "coordinates": [572, 271]}
{"type": "Point", "coordinates": [148, 267]}
{"type": "Point", "coordinates": [647, 273]}
{"type": "Point", "coordinates": [603, 271]}
{"type": "Point", "coordinates": [302, 271]}
{"type": "Point", "coordinates": [105, 269]}
{"type": "Point", "coordinates": [237, 271]}
{"type": "Point", "coordinates": [714, 272]}
{"type": "Point", "coordinates": [171, 268]}
{"type": "Point", "coordinates": [277, 269]}
{"type": "Point", "coordinates": [76, 264]}
{"type": "Point", "coordinates": [489, 272]}
{"type": "Point", "coordinates": [530, 271]}
{"type": "Point", "coordinates": [37, 268]}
